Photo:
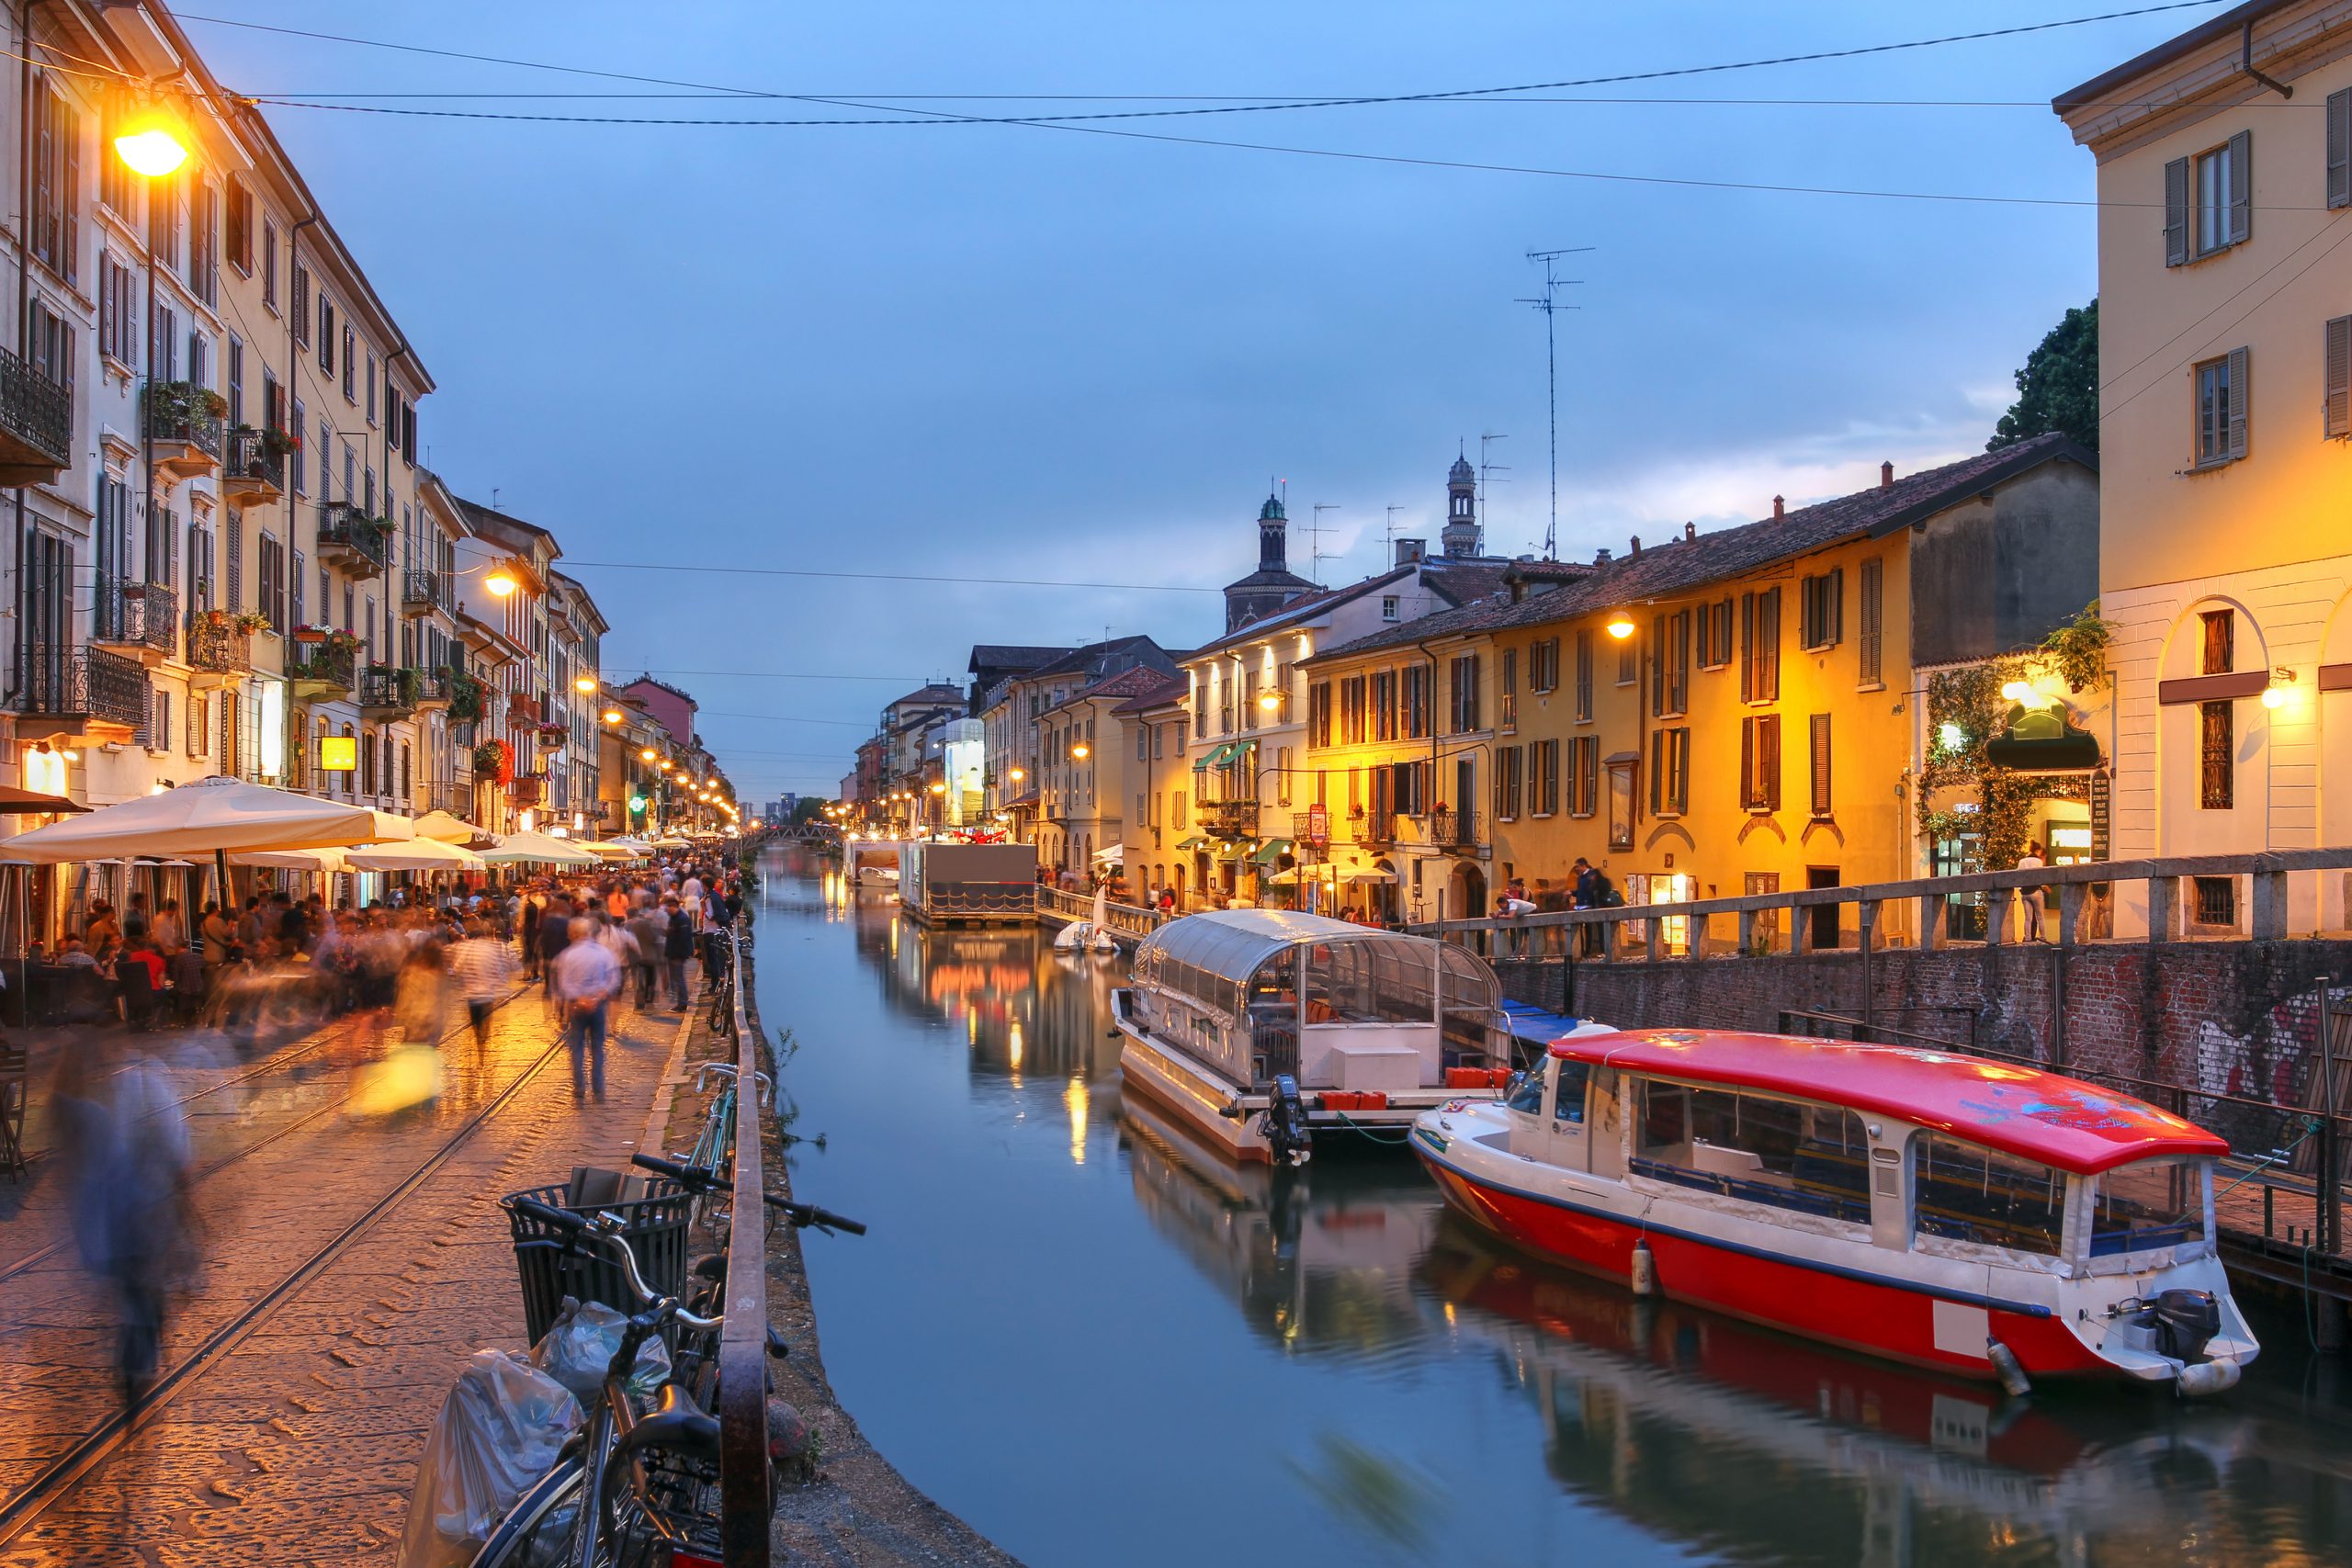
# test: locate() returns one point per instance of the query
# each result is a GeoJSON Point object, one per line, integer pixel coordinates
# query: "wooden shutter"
{"type": "Point", "coordinates": [1836, 605]}
{"type": "Point", "coordinates": [2336, 406]}
{"type": "Point", "coordinates": [44, 176]}
{"type": "Point", "coordinates": [1747, 647]}
{"type": "Point", "coordinates": [1658, 771]}
{"type": "Point", "coordinates": [1874, 588]}
{"type": "Point", "coordinates": [1748, 763]}
{"type": "Point", "coordinates": [2240, 391]}
{"type": "Point", "coordinates": [2339, 148]}
{"type": "Point", "coordinates": [2241, 186]}
{"type": "Point", "coordinates": [2176, 212]}
{"type": "Point", "coordinates": [69, 198]}
{"type": "Point", "coordinates": [1657, 674]}
{"type": "Point", "coordinates": [1821, 764]}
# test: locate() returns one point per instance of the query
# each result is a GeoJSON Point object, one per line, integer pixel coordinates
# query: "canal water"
{"type": "Point", "coordinates": [1101, 1344]}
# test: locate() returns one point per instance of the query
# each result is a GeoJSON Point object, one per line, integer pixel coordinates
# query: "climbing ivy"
{"type": "Point", "coordinates": [2076, 651]}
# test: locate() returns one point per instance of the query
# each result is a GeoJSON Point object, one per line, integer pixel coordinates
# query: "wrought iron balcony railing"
{"type": "Point", "coordinates": [422, 592]}
{"type": "Point", "coordinates": [181, 413]}
{"type": "Point", "coordinates": [256, 465]}
{"type": "Point", "coordinates": [335, 664]}
{"type": "Point", "coordinates": [131, 613]}
{"type": "Point", "coordinates": [63, 680]}
{"type": "Point", "coordinates": [36, 418]}
{"type": "Point", "coordinates": [385, 688]}
{"type": "Point", "coordinates": [354, 538]}
{"type": "Point", "coordinates": [216, 646]}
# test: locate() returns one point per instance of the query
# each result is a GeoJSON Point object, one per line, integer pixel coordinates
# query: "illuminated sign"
{"type": "Point", "coordinates": [338, 753]}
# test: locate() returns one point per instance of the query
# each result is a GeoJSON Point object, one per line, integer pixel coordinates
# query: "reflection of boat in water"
{"type": "Point", "coordinates": [1986, 1219]}
{"type": "Point", "coordinates": [1320, 1260]}
{"type": "Point", "coordinates": [1739, 1439]}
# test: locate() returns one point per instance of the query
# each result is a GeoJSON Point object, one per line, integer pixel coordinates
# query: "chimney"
{"type": "Point", "coordinates": [1635, 554]}
{"type": "Point", "coordinates": [1780, 508]}
{"type": "Point", "coordinates": [1409, 552]}
{"type": "Point", "coordinates": [1690, 531]}
{"type": "Point", "coordinates": [1600, 556]}
{"type": "Point", "coordinates": [1886, 476]}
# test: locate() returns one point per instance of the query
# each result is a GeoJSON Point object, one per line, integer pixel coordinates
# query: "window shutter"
{"type": "Point", "coordinates": [2241, 395]}
{"type": "Point", "coordinates": [69, 201]}
{"type": "Point", "coordinates": [1767, 760]}
{"type": "Point", "coordinates": [2241, 186]}
{"type": "Point", "coordinates": [2337, 405]}
{"type": "Point", "coordinates": [1836, 605]}
{"type": "Point", "coordinates": [1748, 763]}
{"type": "Point", "coordinates": [1747, 647]}
{"type": "Point", "coordinates": [1821, 764]}
{"type": "Point", "coordinates": [2176, 212]}
{"type": "Point", "coordinates": [2339, 148]}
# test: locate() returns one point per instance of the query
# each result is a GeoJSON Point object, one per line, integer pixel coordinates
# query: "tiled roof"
{"type": "Point", "coordinates": [1301, 609]}
{"type": "Point", "coordinates": [1011, 656]}
{"type": "Point", "coordinates": [1129, 682]}
{"type": "Point", "coordinates": [1164, 688]}
{"type": "Point", "coordinates": [933, 692]}
{"type": "Point", "coordinates": [1662, 570]}
{"type": "Point", "coordinates": [1463, 582]}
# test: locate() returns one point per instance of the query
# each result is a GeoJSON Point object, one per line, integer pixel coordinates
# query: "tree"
{"type": "Point", "coordinates": [2058, 388]}
{"type": "Point", "coordinates": [807, 809]}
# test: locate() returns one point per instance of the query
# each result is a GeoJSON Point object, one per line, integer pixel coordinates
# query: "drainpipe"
{"type": "Point", "coordinates": [315, 781]}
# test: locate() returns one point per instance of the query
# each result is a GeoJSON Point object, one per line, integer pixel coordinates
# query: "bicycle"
{"type": "Point", "coordinates": [656, 1498]}
{"type": "Point", "coordinates": [715, 1146]}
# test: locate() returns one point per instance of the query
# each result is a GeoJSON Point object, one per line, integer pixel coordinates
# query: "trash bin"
{"type": "Point", "coordinates": [554, 1266]}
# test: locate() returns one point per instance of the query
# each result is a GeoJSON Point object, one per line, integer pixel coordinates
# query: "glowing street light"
{"type": "Point", "coordinates": [1269, 700]}
{"type": "Point", "coordinates": [612, 715]}
{"type": "Point", "coordinates": [150, 148]}
{"type": "Point", "coordinates": [1019, 773]}
{"type": "Point", "coordinates": [583, 683]}
{"type": "Point", "coordinates": [1620, 626]}
{"type": "Point", "coordinates": [1081, 751]}
{"type": "Point", "coordinates": [501, 583]}
{"type": "Point", "coordinates": [646, 755]}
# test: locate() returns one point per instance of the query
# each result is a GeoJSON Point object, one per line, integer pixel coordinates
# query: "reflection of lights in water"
{"type": "Point", "coordinates": [1014, 1038]}
{"type": "Point", "coordinates": [971, 1027]}
{"type": "Point", "coordinates": [1074, 1098]}
{"type": "Point", "coordinates": [894, 939]}
{"type": "Point", "coordinates": [1449, 1316]}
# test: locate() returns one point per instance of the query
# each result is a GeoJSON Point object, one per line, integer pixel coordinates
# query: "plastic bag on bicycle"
{"type": "Point", "coordinates": [580, 1346]}
{"type": "Point", "coordinates": [499, 1431]}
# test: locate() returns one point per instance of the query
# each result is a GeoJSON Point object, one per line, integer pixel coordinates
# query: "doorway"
{"type": "Point", "coordinates": [1824, 932]}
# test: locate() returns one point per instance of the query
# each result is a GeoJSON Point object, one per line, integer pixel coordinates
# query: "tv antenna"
{"type": "Point", "coordinates": [1487, 466]}
{"type": "Point", "coordinates": [1315, 532]}
{"type": "Point", "coordinates": [1390, 558]}
{"type": "Point", "coordinates": [1549, 304]}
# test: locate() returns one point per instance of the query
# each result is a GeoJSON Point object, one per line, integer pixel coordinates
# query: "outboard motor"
{"type": "Point", "coordinates": [2185, 1322]}
{"type": "Point", "coordinates": [1284, 1122]}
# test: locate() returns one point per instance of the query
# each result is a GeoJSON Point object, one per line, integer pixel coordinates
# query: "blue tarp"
{"type": "Point", "coordinates": [1536, 1025]}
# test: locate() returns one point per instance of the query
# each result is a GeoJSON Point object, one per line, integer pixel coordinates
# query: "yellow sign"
{"type": "Point", "coordinates": [338, 753]}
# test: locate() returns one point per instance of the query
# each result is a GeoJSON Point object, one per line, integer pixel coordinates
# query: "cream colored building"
{"type": "Point", "coordinates": [2225, 351]}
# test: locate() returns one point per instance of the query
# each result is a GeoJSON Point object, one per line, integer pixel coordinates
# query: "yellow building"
{"type": "Point", "coordinates": [2227, 566]}
{"type": "Point", "coordinates": [1719, 715]}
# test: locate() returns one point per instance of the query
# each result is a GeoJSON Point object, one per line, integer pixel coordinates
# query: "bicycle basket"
{"type": "Point", "coordinates": [553, 1267]}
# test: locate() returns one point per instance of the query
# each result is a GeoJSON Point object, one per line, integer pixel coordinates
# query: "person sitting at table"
{"type": "Point", "coordinates": [73, 955]}
{"type": "Point", "coordinates": [108, 954]}
{"type": "Point", "coordinates": [36, 952]}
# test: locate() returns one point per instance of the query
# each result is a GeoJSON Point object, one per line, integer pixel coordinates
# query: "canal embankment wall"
{"type": "Point", "coordinates": [2213, 1016]}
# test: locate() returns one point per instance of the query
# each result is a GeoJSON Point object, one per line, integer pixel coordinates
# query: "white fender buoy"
{"type": "Point", "coordinates": [2207, 1377]}
{"type": "Point", "coordinates": [1644, 1271]}
{"type": "Point", "coordinates": [2006, 1365]}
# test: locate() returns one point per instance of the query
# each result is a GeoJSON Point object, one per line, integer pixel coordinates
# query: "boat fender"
{"type": "Point", "coordinates": [2206, 1377]}
{"type": "Point", "coordinates": [1644, 1271]}
{"type": "Point", "coordinates": [2008, 1368]}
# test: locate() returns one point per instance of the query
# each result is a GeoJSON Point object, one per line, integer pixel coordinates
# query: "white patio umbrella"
{"type": "Point", "coordinates": [447, 827]}
{"type": "Point", "coordinates": [293, 860]}
{"type": "Point", "coordinates": [517, 849]}
{"type": "Point", "coordinates": [608, 849]}
{"type": "Point", "coordinates": [417, 854]}
{"type": "Point", "coordinates": [671, 841]}
{"type": "Point", "coordinates": [201, 819]}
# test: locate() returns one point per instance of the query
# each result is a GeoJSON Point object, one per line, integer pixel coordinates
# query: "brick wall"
{"type": "Point", "coordinates": [2235, 1017]}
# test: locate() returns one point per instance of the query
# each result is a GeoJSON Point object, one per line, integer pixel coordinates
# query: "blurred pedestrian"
{"type": "Point", "coordinates": [484, 969]}
{"type": "Point", "coordinates": [582, 980]}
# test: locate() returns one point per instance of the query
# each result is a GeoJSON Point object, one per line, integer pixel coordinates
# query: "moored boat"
{"type": "Point", "coordinates": [1986, 1219]}
{"type": "Point", "coordinates": [1267, 1029]}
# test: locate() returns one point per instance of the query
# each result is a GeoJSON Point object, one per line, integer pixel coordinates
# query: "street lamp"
{"type": "Point", "coordinates": [502, 580]}
{"type": "Point", "coordinates": [583, 683]}
{"type": "Point", "coordinates": [612, 715]}
{"type": "Point", "coordinates": [150, 148]}
{"type": "Point", "coordinates": [1081, 751]}
{"type": "Point", "coordinates": [1269, 699]}
{"type": "Point", "coordinates": [1620, 626]}
{"type": "Point", "coordinates": [1019, 773]}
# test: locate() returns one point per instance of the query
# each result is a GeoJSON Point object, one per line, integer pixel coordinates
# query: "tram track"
{"type": "Point", "coordinates": [56, 1478]}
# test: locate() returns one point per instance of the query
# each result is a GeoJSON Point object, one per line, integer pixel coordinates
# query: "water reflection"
{"type": "Point", "coordinates": [1164, 1321]}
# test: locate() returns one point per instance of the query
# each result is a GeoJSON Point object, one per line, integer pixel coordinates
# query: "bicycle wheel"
{"type": "Point", "coordinates": [542, 1530]}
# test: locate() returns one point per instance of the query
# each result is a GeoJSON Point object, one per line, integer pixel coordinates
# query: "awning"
{"type": "Point", "coordinates": [1198, 841]}
{"type": "Point", "coordinates": [2071, 751]}
{"type": "Point", "coordinates": [15, 802]}
{"type": "Point", "coordinates": [1108, 851]}
{"type": "Point", "coordinates": [1221, 756]}
{"type": "Point", "coordinates": [1272, 851]}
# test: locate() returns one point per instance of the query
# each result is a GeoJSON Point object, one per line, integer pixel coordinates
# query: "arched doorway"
{"type": "Point", "coordinates": [1466, 892]}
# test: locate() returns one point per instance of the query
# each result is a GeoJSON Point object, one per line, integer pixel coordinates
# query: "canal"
{"type": "Point", "coordinates": [1101, 1344]}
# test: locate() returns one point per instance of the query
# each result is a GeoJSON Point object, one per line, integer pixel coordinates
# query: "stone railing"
{"type": "Point", "coordinates": [1130, 919]}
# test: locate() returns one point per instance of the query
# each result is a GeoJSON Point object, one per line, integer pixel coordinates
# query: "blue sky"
{"type": "Point", "coordinates": [997, 351]}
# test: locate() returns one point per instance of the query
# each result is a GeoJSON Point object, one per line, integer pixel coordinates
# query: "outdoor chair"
{"type": "Point", "coordinates": [137, 988]}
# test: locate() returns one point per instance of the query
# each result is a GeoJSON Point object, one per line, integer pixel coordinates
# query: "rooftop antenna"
{"type": "Point", "coordinates": [1487, 466]}
{"type": "Point", "coordinates": [1315, 532]}
{"type": "Point", "coordinates": [1390, 558]}
{"type": "Point", "coordinates": [1550, 306]}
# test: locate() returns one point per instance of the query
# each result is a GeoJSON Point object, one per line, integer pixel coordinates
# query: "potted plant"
{"type": "Point", "coordinates": [307, 633]}
{"type": "Point", "coordinates": [247, 622]}
{"type": "Point", "coordinates": [278, 442]}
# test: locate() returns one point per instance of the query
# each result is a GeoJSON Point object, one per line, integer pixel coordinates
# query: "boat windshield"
{"type": "Point", "coordinates": [2150, 1203]}
{"type": "Point", "coordinates": [1527, 1094]}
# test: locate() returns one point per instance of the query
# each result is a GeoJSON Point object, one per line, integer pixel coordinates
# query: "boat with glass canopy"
{"type": "Point", "coordinates": [1980, 1217]}
{"type": "Point", "coordinates": [1267, 1029]}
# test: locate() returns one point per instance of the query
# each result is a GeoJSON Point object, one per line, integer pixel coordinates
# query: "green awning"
{"type": "Point", "coordinates": [1272, 851]}
{"type": "Point", "coordinates": [1197, 841]}
{"type": "Point", "coordinates": [1224, 755]}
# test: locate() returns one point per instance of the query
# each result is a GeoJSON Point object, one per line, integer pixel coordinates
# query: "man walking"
{"type": "Point", "coordinates": [556, 931]}
{"type": "Point", "coordinates": [484, 969]}
{"type": "Point", "coordinates": [652, 935]}
{"type": "Point", "coordinates": [582, 980]}
{"type": "Point", "coordinates": [677, 946]}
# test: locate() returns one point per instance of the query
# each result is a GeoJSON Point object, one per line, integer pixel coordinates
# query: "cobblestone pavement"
{"type": "Point", "coordinates": [295, 1439]}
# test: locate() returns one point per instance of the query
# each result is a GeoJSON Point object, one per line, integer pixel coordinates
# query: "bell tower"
{"type": "Point", "coordinates": [1273, 585]}
{"type": "Point", "coordinates": [1461, 536]}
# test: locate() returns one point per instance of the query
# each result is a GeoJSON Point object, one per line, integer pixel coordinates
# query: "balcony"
{"type": "Point", "coordinates": [525, 789]}
{"type": "Point", "coordinates": [1234, 816]}
{"type": "Point", "coordinates": [352, 542]}
{"type": "Point", "coordinates": [552, 737]}
{"type": "Point", "coordinates": [1376, 828]}
{"type": "Point", "coordinates": [36, 424]}
{"type": "Point", "coordinates": [256, 472]}
{"type": "Point", "coordinates": [1451, 828]}
{"type": "Point", "coordinates": [83, 692]}
{"type": "Point", "coordinates": [435, 689]}
{"type": "Point", "coordinates": [324, 670]}
{"type": "Point", "coordinates": [220, 650]}
{"type": "Point", "coordinates": [183, 428]}
{"type": "Point", "coordinates": [388, 692]}
{"type": "Point", "coordinates": [140, 621]}
{"type": "Point", "coordinates": [422, 592]}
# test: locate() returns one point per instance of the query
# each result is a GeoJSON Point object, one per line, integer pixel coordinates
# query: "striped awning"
{"type": "Point", "coordinates": [1222, 756]}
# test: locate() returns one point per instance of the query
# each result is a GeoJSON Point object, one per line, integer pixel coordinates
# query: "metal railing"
{"type": "Point", "coordinates": [177, 410]}
{"type": "Point", "coordinates": [128, 609]}
{"type": "Point", "coordinates": [61, 680]}
{"type": "Point", "coordinates": [388, 688]}
{"type": "Point", "coordinates": [525, 789]}
{"type": "Point", "coordinates": [216, 645]}
{"type": "Point", "coordinates": [334, 664]}
{"type": "Point", "coordinates": [256, 456]}
{"type": "Point", "coordinates": [745, 1481]}
{"type": "Point", "coordinates": [422, 591]}
{"type": "Point", "coordinates": [1060, 904]}
{"type": "Point", "coordinates": [35, 409]}
{"type": "Point", "coordinates": [1451, 826]}
{"type": "Point", "coordinates": [344, 526]}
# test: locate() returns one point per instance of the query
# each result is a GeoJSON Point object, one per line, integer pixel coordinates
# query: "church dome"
{"type": "Point", "coordinates": [1273, 511]}
{"type": "Point", "coordinates": [1459, 473]}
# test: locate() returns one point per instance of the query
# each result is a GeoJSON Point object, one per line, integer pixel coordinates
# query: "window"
{"type": "Point", "coordinates": [2221, 398]}
{"type": "Point", "coordinates": [118, 185]}
{"type": "Point", "coordinates": [1584, 775]}
{"type": "Point", "coordinates": [1416, 702]}
{"type": "Point", "coordinates": [1176, 808]}
{"type": "Point", "coordinates": [1759, 631]}
{"type": "Point", "coordinates": [350, 363]}
{"type": "Point", "coordinates": [371, 386]}
{"type": "Point", "coordinates": [1389, 611]}
{"type": "Point", "coordinates": [301, 486]}
{"type": "Point", "coordinates": [1759, 763]}
{"type": "Point", "coordinates": [1968, 1192]}
{"type": "Point", "coordinates": [301, 304]}
{"type": "Point", "coordinates": [2149, 1204]}
{"type": "Point", "coordinates": [49, 345]}
{"type": "Point", "coordinates": [204, 246]}
{"type": "Point", "coordinates": [1821, 609]}
{"type": "Point", "coordinates": [1544, 664]}
{"type": "Point", "coordinates": [1318, 714]}
{"type": "Point", "coordinates": [327, 332]}
{"type": "Point", "coordinates": [1383, 704]}
{"type": "Point", "coordinates": [2215, 900]}
{"type": "Point", "coordinates": [118, 314]}
{"type": "Point", "coordinates": [1670, 664]}
{"type": "Point", "coordinates": [408, 435]}
{"type": "Point", "coordinates": [2208, 200]}
{"type": "Point", "coordinates": [269, 565]}
{"type": "Point", "coordinates": [1872, 617]}
{"type": "Point", "coordinates": [1714, 635]}
{"type": "Point", "coordinates": [1629, 662]}
{"type": "Point", "coordinates": [1821, 804]}
{"type": "Point", "coordinates": [2339, 148]}
{"type": "Point", "coordinates": [2335, 355]}
{"type": "Point", "coordinates": [1543, 778]}
{"type": "Point", "coordinates": [236, 380]}
{"type": "Point", "coordinates": [1669, 772]}
{"type": "Point", "coordinates": [1411, 787]}
{"type": "Point", "coordinates": [2217, 753]}
{"type": "Point", "coordinates": [1789, 1154]}
{"type": "Point", "coordinates": [240, 227]}
{"type": "Point", "coordinates": [2218, 653]}
{"type": "Point", "coordinates": [1508, 766]}
{"type": "Point", "coordinates": [56, 223]}
{"type": "Point", "coordinates": [294, 586]}
{"type": "Point", "coordinates": [1507, 690]}
{"type": "Point", "coordinates": [1584, 676]}
{"type": "Point", "coordinates": [1352, 725]}
{"type": "Point", "coordinates": [1465, 708]}
{"type": "Point", "coordinates": [199, 725]}
{"type": "Point", "coordinates": [269, 262]}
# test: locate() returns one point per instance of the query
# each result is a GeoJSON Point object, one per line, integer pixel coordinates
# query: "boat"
{"type": "Point", "coordinates": [1986, 1219]}
{"type": "Point", "coordinates": [1268, 1029]}
{"type": "Point", "coordinates": [1089, 935]}
{"type": "Point", "coordinates": [871, 861]}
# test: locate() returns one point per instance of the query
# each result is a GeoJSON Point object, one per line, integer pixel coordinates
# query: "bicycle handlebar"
{"type": "Point", "coordinates": [603, 1231]}
{"type": "Point", "coordinates": [700, 1179]}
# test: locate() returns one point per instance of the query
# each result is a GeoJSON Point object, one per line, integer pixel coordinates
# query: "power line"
{"type": "Point", "coordinates": [889, 576]}
{"type": "Point", "coordinates": [788, 675]}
